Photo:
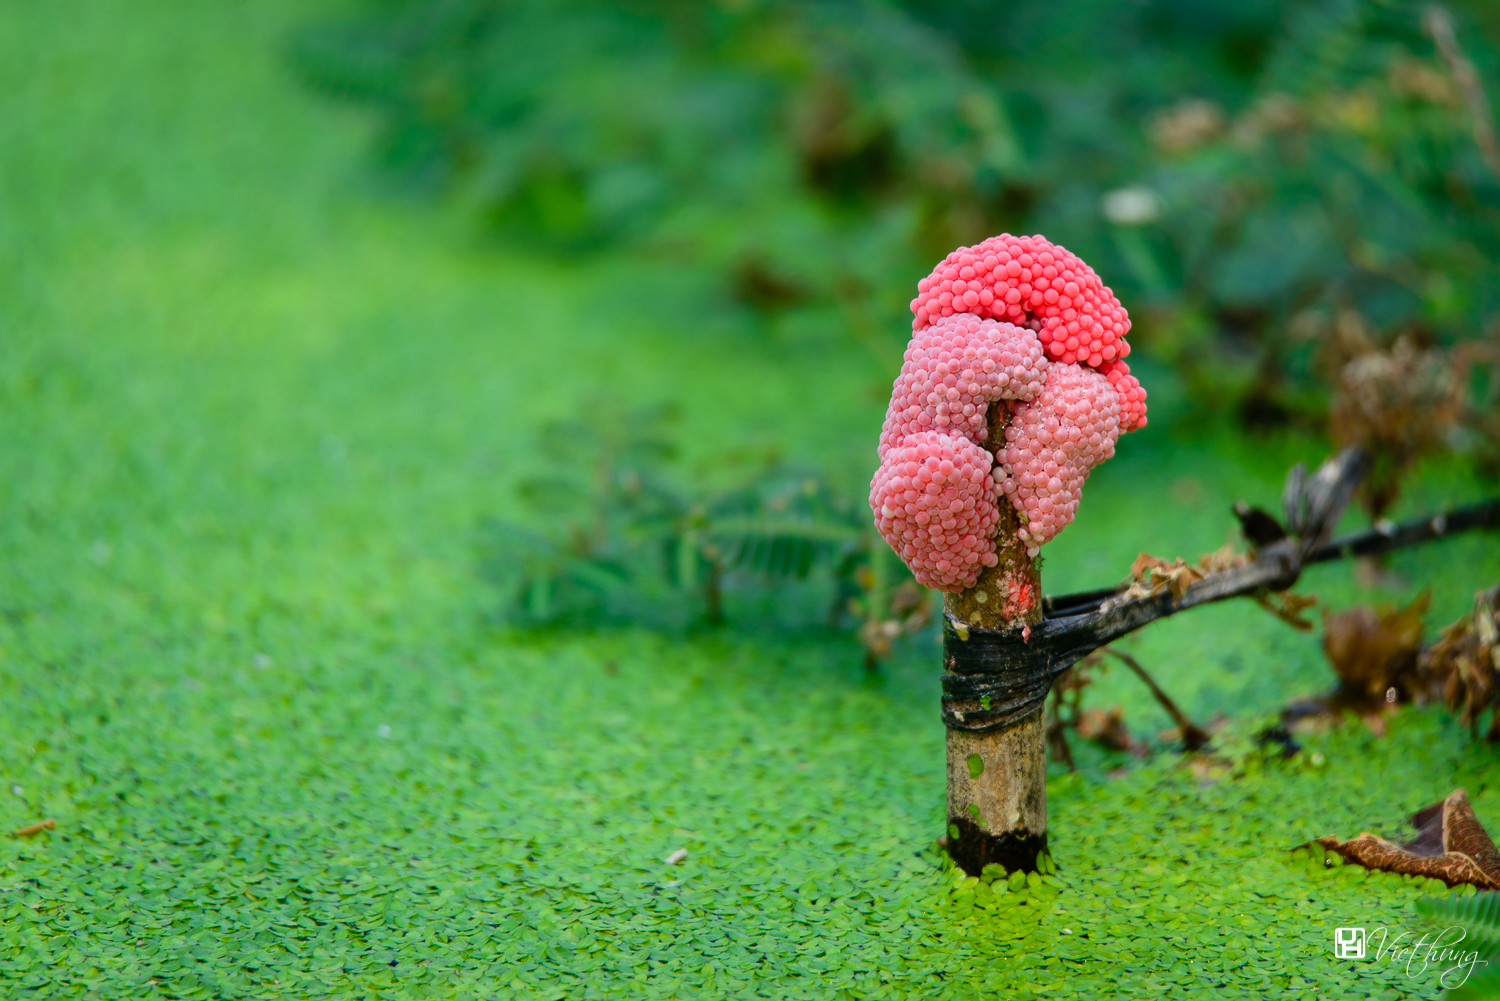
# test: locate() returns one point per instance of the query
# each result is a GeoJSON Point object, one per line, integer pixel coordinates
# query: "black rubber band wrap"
{"type": "Point", "coordinates": [1014, 669]}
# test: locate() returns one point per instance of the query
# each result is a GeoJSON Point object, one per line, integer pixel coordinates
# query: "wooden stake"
{"type": "Point", "coordinates": [997, 782]}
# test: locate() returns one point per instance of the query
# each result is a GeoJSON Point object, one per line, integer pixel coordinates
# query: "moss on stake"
{"type": "Point", "coordinates": [997, 782]}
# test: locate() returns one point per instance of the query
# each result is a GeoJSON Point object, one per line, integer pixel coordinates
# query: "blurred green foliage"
{"type": "Point", "coordinates": [810, 151]}
{"type": "Point", "coordinates": [620, 533]}
{"type": "Point", "coordinates": [625, 538]}
{"type": "Point", "coordinates": [1243, 172]}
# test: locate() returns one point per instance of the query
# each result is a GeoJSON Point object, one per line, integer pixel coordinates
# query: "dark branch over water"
{"type": "Point", "coordinates": [995, 678]}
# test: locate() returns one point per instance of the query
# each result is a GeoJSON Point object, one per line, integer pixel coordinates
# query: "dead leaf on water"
{"type": "Point", "coordinates": [1451, 845]}
{"type": "Point", "coordinates": [37, 828]}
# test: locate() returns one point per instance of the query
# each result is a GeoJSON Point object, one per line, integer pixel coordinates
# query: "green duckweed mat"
{"type": "Point", "coordinates": [251, 418]}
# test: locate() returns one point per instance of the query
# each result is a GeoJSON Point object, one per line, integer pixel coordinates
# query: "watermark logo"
{"type": "Point", "coordinates": [1427, 955]}
{"type": "Point", "coordinates": [1349, 943]}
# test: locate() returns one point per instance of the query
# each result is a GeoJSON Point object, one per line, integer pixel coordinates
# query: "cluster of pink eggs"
{"type": "Point", "coordinates": [1032, 282]}
{"type": "Point", "coordinates": [951, 372]}
{"type": "Point", "coordinates": [1052, 444]}
{"type": "Point", "coordinates": [934, 501]}
{"type": "Point", "coordinates": [1013, 319]}
{"type": "Point", "coordinates": [934, 496]}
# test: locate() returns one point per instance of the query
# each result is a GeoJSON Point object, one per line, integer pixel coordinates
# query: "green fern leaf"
{"type": "Point", "coordinates": [1478, 915]}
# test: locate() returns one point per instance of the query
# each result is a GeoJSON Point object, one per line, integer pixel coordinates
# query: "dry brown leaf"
{"type": "Point", "coordinates": [1160, 574]}
{"type": "Point", "coordinates": [37, 828]}
{"type": "Point", "coordinates": [1151, 575]}
{"type": "Point", "coordinates": [1464, 664]}
{"type": "Point", "coordinates": [1066, 709]}
{"type": "Point", "coordinates": [1450, 845]}
{"type": "Point", "coordinates": [1288, 607]}
{"type": "Point", "coordinates": [1226, 557]}
{"type": "Point", "coordinates": [1107, 727]}
{"type": "Point", "coordinates": [1188, 125]}
{"type": "Point", "coordinates": [1396, 403]}
{"type": "Point", "coordinates": [1374, 651]}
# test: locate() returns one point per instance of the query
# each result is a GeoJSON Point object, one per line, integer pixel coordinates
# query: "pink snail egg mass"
{"type": "Point", "coordinates": [1014, 319]}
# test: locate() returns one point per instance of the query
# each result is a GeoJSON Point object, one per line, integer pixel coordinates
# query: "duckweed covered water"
{"type": "Point", "coordinates": [250, 421]}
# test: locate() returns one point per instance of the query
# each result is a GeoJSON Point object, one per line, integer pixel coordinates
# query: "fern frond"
{"type": "Point", "coordinates": [1478, 915]}
{"type": "Point", "coordinates": [1482, 985]}
{"type": "Point", "coordinates": [781, 547]}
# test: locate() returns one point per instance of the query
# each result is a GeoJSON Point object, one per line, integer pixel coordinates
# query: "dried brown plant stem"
{"type": "Point", "coordinates": [1194, 737]}
{"type": "Point", "coordinates": [997, 782]}
{"type": "Point", "coordinates": [1439, 25]}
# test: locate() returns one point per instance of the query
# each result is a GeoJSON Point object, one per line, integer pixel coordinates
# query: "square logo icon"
{"type": "Point", "coordinates": [1349, 943]}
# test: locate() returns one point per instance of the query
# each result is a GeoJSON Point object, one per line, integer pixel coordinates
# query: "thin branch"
{"type": "Point", "coordinates": [1439, 25]}
{"type": "Point", "coordinates": [998, 677]}
{"type": "Point", "coordinates": [1194, 737]}
{"type": "Point", "coordinates": [1057, 733]}
{"type": "Point", "coordinates": [1383, 538]}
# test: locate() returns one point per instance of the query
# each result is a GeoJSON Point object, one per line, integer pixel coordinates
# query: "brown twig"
{"type": "Point", "coordinates": [1439, 25]}
{"type": "Point", "coordinates": [37, 828]}
{"type": "Point", "coordinates": [1057, 733]}
{"type": "Point", "coordinates": [1194, 737]}
{"type": "Point", "coordinates": [1383, 538]}
{"type": "Point", "coordinates": [1071, 682]}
